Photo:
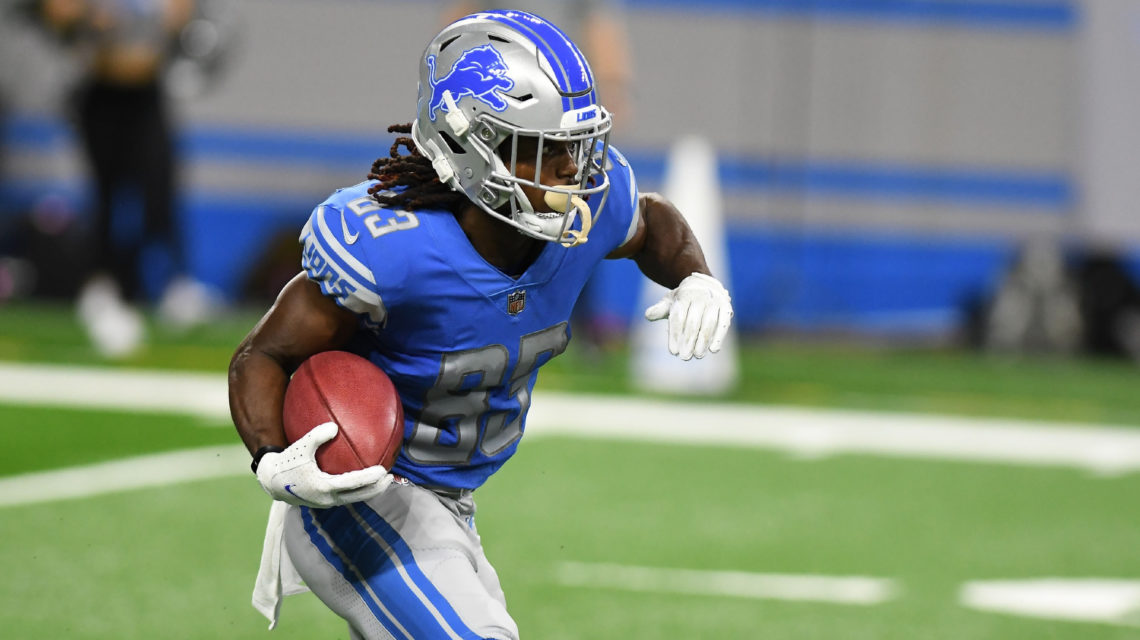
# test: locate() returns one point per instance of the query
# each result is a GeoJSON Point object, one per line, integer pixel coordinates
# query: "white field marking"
{"type": "Point", "coordinates": [816, 433]}
{"type": "Point", "coordinates": [851, 590]}
{"type": "Point", "coordinates": [127, 473]}
{"type": "Point", "coordinates": [1078, 599]}
{"type": "Point", "coordinates": [198, 394]}
{"type": "Point", "coordinates": [803, 432]}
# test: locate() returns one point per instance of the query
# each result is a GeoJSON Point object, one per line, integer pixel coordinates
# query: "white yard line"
{"type": "Point", "coordinates": [822, 432]}
{"type": "Point", "coordinates": [802, 432]}
{"type": "Point", "coordinates": [127, 473]}
{"type": "Point", "coordinates": [198, 394]}
{"type": "Point", "coordinates": [1102, 600]}
{"type": "Point", "coordinates": [850, 590]}
{"type": "Point", "coordinates": [1097, 600]}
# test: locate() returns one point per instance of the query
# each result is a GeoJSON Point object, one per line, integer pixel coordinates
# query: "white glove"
{"type": "Point", "coordinates": [699, 312]}
{"type": "Point", "coordinates": [293, 475]}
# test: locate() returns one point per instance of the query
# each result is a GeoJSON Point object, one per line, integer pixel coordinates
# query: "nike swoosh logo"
{"type": "Point", "coordinates": [289, 489]}
{"type": "Point", "coordinates": [349, 237]}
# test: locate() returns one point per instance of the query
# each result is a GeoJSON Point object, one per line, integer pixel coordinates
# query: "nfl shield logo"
{"type": "Point", "coordinates": [516, 302]}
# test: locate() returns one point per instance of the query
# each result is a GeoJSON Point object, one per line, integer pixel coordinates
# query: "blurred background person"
{"type": "Point", "coordinates": [123, 119]}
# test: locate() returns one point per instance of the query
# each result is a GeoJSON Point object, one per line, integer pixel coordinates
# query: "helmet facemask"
{"type": "Point", "coordinates": [570, 217]}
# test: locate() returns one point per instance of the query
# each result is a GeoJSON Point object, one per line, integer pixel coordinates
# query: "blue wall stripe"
{"type": "Point", "coordinates": [1046, 15]}
{"type": "Point", "coordinates": [801, 277]}
{"type": "Point", "coordinates": [971, 186]}
{"type": "Point", "coordinates": [38, 133]}
{"type": "Point", "coordinates": [285, 147]}
{"type": "Point", "coordinates": [32, 131]}
{"type": "Point", "coordinates": [1050, 191]}
{"type": "Point", "coordinates": [814, 279]}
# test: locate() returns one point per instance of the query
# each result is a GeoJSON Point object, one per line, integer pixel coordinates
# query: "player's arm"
{"type": "Point", "coordinates": [302, 322]}
{"type": "Point", "coordinates": [663, 245]}
{"type": "Point", "coordinates": [698, 306]}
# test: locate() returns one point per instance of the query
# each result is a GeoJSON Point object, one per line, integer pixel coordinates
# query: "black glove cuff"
{"type": "Point", "coordinates": [260, 453]}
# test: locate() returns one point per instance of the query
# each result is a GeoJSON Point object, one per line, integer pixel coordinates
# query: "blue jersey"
{"type": "Point", "coordinates": [461, 340]}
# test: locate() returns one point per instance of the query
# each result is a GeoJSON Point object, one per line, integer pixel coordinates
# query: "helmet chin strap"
{"type": "Point", "coordinates": [563, 201]}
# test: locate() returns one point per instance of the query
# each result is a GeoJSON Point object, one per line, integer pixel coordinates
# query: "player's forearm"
{"type": "Point", "coordinates": [671, 251]}
{"type": "Point", "coordinates": [257, 389]}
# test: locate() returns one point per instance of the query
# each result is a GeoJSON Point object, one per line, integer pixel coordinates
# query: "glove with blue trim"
{"type": "Point", "coordinates": [699, 312]}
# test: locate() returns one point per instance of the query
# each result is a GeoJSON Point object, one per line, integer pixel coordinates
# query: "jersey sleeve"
{"type": "Point", "coordinates": [333, 256]}
{"type": "Point", "coordinates": [621, 210]}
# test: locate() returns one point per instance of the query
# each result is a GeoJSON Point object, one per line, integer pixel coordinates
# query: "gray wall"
{"type": "Point", "coordinates": [785, 89]}
{"type": "Point", "coordinates": [1108, 153]}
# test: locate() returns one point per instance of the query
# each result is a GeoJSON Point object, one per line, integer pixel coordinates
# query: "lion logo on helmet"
{"type": "Point", "coordinates": [479, 73]}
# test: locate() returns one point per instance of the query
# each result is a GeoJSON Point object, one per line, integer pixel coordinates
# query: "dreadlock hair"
{"type": "Point", "coordinates": [423, 190]}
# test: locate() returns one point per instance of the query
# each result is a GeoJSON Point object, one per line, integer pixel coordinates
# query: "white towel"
{"type": "Point", "coordinates": [277, 576]}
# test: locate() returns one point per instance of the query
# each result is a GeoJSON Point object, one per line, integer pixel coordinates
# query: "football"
{"type": "Point", "coordinates": [349, 390]}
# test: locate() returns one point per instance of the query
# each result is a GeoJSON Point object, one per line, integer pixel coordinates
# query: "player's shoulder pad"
{"type": "Point", "coordinates": [341, 250]}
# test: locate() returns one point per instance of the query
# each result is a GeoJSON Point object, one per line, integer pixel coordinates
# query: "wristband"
{"type": "Point", "coordinates": [260, 453]}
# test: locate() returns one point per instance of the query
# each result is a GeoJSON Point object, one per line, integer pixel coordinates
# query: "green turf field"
{"type": "Point", "coordinates": [179, 561]}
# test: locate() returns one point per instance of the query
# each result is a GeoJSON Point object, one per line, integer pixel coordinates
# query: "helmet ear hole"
{"type": "Point", "coordinates": [454, 145]}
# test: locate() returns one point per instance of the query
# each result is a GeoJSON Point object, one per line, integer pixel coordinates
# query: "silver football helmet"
{"type": "Point", "coordinates": [493, 78]}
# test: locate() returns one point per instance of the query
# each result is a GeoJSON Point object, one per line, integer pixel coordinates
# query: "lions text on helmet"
{"type": "Point", "coordinates": [484, 89]}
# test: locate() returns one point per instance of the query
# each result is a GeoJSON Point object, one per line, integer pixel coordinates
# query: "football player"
{"type": "Point", "coordinates": [454, 268]}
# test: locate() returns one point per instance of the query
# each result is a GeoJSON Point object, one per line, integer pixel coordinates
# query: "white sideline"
{"type": "Point", "coordinates": [850, 590]}
{"type": "Point", "coordinates": [799, 431]}
{"type": "Point", "coordinates": [1112, 601]}
{"type": "Point", "coordinates": [139, 472]}
{"type": "Point", "coordinates": [197, 394]}
{"type": "Point", "coordinates": [1097, 600]}
{"type": "Point", "coordinates": [817, 433]}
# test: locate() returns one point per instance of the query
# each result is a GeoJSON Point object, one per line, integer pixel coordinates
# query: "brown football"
{"type": "Point", "coordinates": [359, 397]}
